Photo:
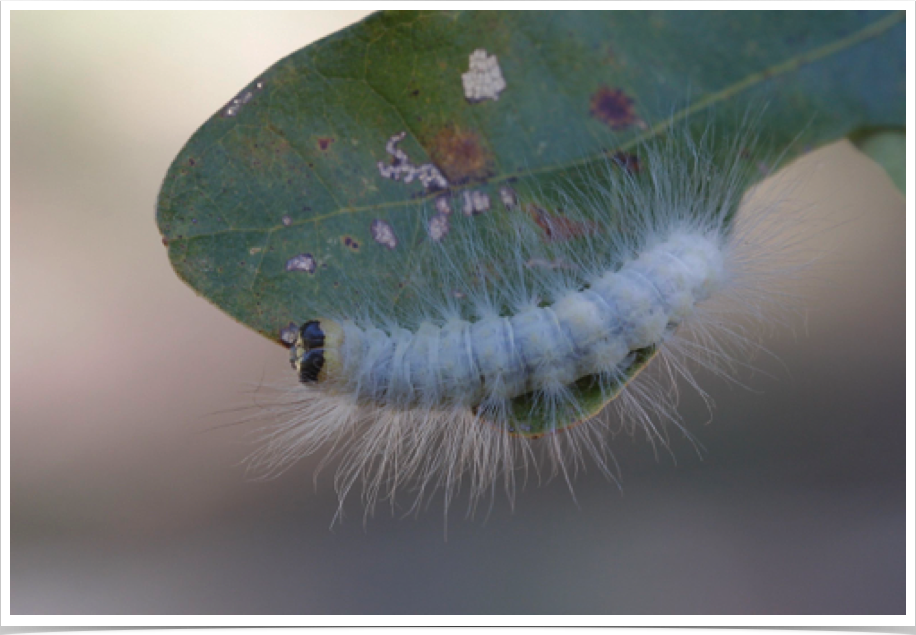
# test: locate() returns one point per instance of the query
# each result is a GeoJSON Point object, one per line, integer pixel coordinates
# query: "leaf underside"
{"type": "Point", "coordinates": [281, 198]}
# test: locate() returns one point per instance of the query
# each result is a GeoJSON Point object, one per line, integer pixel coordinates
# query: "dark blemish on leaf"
{"type": "Point", "coordinates": [193, 221]}
{"type": "Point", "coordinates": [165, 241]}
{"type": "Point", "coordinates": [557, 228]}
{"type": "Point", "coordinates": [626, 161]}
{"type": "Point", "coordinates": [461, 155]}
{"type": "Point", "coordinates": [350, 243]}
{"type": "Point", "coordinates": [383, 233]}
{"type": "Point", "coordinates": [287, 221]}
{"type": "Point", "coordinates": [302, 262]}
{"type": "Point", "coordinates": [428, 174]}
{"type": "Point", "coordinates": [192, 162]}
{"type": "Point", "coordinates": [233, 107]}
{"type": "Point", "coordinates": [289, 334]}
{"type": "Point", "coordinates": [306, 208]}
{"type": "Point", "coordinates": [614, 107]}
{"type": "Point", "coordinates": [414, 93]}
{"type": "Point", "coordinates": [325, 142]}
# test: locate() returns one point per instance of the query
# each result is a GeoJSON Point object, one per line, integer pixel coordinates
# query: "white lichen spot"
{"type": "Point", "coordinates": [508, 197]}
{"type": "Point", "coordinates": [428, 174]}
{"type": "Point", "coordinates": [383, 234]}
{"type": "Point", "coordinates": [484, 80]}
{"type": "Point", "coordinates": [475, 202]}
{"type": "Point", "coordinates": [254, 251]}
{"type": "Point", "coordinates": [233, 107]}
{"type": "Point", "coordinates": [442, 205]}
{"type": "Point", "coordinates": [287, 221]}
{"type": "Point", "coordinates": [438, 227]}
{"type": "Point", "coordinates": [302, 262]}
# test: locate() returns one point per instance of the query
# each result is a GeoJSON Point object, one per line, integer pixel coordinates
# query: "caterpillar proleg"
{"type": "Point", "coordinates": [529, 328]}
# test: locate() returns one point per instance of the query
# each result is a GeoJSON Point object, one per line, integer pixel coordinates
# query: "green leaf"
{"type": "Point", "coordinates": [280, 198]}
{"type": "Point", "coordinates": [888, 149]}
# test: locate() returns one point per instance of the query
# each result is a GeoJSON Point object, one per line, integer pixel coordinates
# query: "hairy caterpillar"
{"type": "Point", "coordinates": [526, 324]}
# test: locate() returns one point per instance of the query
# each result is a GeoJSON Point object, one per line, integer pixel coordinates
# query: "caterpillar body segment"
{"type": "Point", "coordinates": [596, 331]}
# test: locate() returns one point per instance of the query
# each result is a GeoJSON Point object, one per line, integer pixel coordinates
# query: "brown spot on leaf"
{"type": "Point", "coordinates": [557, 227]}
{"type": "Point", "coordinates": [626, 161]}
{"type": "Point", "coordinates": [267, 150]}
{"type": "Point", "coordinates": [325, 142]}
{"type": "Point", "coordinates": [461, 155]}
{"type": "Point", "coordinates": [613, 107]}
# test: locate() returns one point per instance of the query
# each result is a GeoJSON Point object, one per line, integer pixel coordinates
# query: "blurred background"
{"type": "Point", "coordinates": [126, 500]}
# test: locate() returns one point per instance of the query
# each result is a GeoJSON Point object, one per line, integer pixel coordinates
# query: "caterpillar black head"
{"type": "Point", "coordinates": [316, 353]}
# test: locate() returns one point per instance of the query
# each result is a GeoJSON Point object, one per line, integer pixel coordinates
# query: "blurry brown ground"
{"type": "Point", "coordinates": [122, 502]}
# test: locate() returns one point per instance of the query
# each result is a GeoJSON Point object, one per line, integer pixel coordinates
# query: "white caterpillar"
{"type": "Point", "coordinates": [533, 321]}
